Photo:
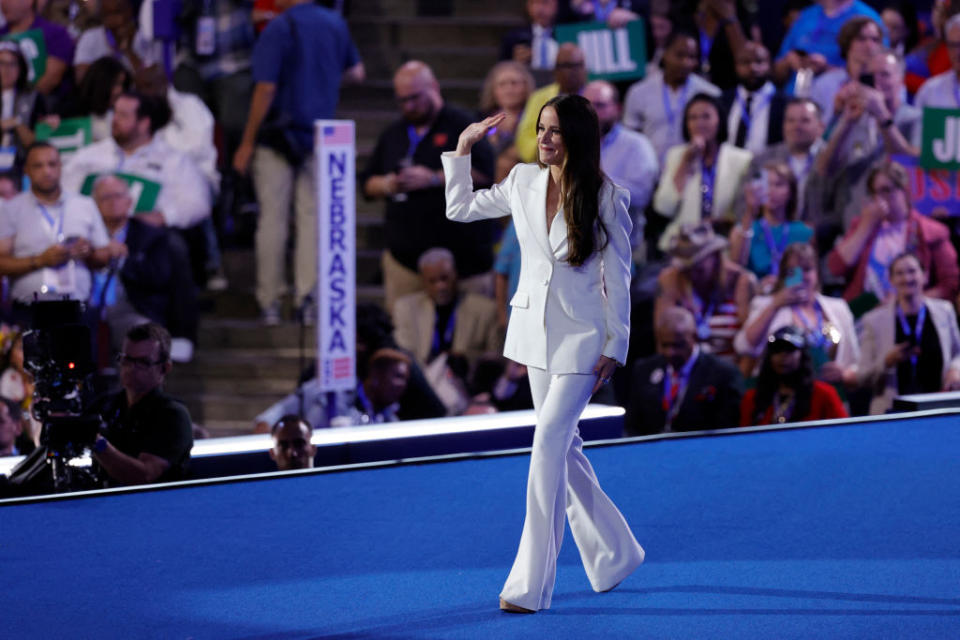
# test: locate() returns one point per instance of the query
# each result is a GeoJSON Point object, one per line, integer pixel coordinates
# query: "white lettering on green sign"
{"type": "Point", "coordinates": [607, 51]}
{"type": "Point", "coordinates": [947, 149]}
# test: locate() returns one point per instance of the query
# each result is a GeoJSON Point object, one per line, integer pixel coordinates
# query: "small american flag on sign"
{"type": "Point", "coordinates": [341, 368]}
{"type": "Point", "coordinates": [337, 134]}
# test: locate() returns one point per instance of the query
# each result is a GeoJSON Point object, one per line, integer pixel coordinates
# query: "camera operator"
{"type": "Point", "coordinates": [49, 237]}
{"type": "Point", "coordinates": [148, 435]}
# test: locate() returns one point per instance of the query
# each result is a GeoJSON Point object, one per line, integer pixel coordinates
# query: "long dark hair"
{"type": "Point", "coordinates": [93, 94]}
{"type": "Point", "coordinates": [23, 72]}
{"type": "Point", "coordinates": [768, 382]}
{"type": "Point", "coordinates": [721, 120]}
{"type": "Point", "coordinates": [582, 176]}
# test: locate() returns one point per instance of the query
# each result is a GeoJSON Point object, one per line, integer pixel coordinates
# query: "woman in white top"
{"type": "Point", "coordinates": [569, 326]}
{"type": "Point", "coordinates": [702, 178]}
{"type": "Point", "coordinates": [796, 300]}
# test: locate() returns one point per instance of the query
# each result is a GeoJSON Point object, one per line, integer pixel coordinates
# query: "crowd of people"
{"type": "Point", "coordinates": [781, 270]}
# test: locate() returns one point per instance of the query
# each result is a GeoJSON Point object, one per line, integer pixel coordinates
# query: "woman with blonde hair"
{"type": "Point", "coordinates": [506, 89]}
{"type": "Point", "coordinates": [796, 300]}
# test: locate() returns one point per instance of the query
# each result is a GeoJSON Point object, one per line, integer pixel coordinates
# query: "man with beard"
{"type": "Point", "coordinates": [404, 170]}
{"type": "Point", "coordinates": [626, 156]}
{"type": "Point", "coordinates": [50, 236]}
{"type": "Point", "coordinates": [174, 191]}
{"type": "Point", "coordinates": [755, 108]}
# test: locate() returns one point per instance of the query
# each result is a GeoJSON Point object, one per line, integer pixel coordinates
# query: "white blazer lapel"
{"type": "Point", "coordinates": [534, 206]}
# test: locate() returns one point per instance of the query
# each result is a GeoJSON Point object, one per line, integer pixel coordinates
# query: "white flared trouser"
{"type": "Point", "coordinates": [560, 481]}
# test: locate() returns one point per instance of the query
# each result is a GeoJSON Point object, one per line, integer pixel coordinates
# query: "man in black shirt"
{"type": "Point", "coordinates": [149, 435]}
{"type": "Point", "coordinates": [405, 170]}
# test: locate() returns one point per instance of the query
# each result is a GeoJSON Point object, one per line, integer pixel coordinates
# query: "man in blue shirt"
{"type": "Point", "coordinates": [299, 63]}
{"type": "Point", "coordinates": [811, 41]}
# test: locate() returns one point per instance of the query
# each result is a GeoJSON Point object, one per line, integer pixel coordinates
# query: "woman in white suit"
{"type": "Point", "coordinates": [911, 344]}
{"type": "Point", "coordinates": [702, 178]}
{"type": "Point", "coordinates": [569, 325]}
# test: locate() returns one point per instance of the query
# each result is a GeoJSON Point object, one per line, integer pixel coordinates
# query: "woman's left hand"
{"type": "Point", "coordinates": [604, 371]}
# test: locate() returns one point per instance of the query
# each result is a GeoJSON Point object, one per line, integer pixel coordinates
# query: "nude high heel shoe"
{"type": "Point", "coordinates": [513, 608]}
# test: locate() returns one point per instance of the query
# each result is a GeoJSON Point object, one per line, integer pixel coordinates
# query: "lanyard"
{"type": "Point", "coordinates": [365, 403]}
{"type": "Point", "coordinates": [745, 118]}
{"type": "Point", "coordinates": [414, 139]}
{"type": "Point", "coordinates": [668, 108]}
{"type": "Point", "coordinates": [671, 401]}
{"type": "Point", "coordinates": [447, 333]}
{"type": "Point", "coordinates": [707, 179]}
{"type": "Point", "coordinates": [706, 44]}
{"type": "Point", "coordinates": [880, 270]}
{"type": "Point", "coordinates": [611, 136]}
{"type": "Point", "coordinates": [775, 248]}
{"type": "Point", "coordinates": [56, 227]}
{"type": "Point", "coordinates": [814, 332]}
{"type": "Point", "coordinates": [702, 316]}
{"type": "Point", "coordinates": [916, 331]}
{"type": "Point", "coordinates": [112, 42]}
{"type": "Point", "coordinates": [783, 411]}
{"type": "Point", "coordinates": [601, 13]}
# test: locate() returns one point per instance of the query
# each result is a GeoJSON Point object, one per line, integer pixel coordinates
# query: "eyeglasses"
{"type": "Point", "coordinates": [136, 363]}
{"type": "Point", "coordinates": [569, 65]}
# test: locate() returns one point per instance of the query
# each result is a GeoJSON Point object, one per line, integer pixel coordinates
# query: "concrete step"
{"type": "Point", "coordinates": [460, 7]}
{"type": "Point", "coordinates": [185, 385]}
{"type": "Point", "coordinates": [277, 363]}
{"type": "Point", "coordinates": [239, 302]}
{"type": "Point", "coordinates": [378, 92]}
{"type": "Point", "coordinates": [370, 31]}
{"type": "Point", "coordinates": [241, 333]}
{"type": "Point", "coordinates": [227, 428]}
{"type": "Point", "coordinates": [447, 62]}
{"type": "Point", "coordinates": [233, 407]}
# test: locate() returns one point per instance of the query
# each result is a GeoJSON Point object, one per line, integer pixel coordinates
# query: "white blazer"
{"type": "Point", "coordinates": [563, 318]}
{"type": "Point", "coordinates": [733, 164]}
{"type": "Point", "coordinates": [879, 336]}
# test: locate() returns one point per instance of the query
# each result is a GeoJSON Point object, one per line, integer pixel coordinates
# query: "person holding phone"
{"type": "Point", "coordinates": [811, 41]}
{"type": "Point", "coordinates": [796, 300]}
{"type": "Point", "coordinates": [769, 224]}
{"type": "Point", "coordinates": [860, 39]}
{"type": "Point", "coordinates": [912, 343]}
{"type": "Point", "coordinates": [786, 389]}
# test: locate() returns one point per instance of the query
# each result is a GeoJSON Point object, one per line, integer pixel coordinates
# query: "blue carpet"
{"type": "Point", "coordinates": [841, 532]}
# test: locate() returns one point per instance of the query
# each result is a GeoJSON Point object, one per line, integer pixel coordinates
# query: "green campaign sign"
{"type": "Point", "coordinates": [144, 192]}
{"type": "Point", "coordinates": [70, 135]}
{"type": "Point", "coordinates": [940, 146]}
{"type": "Point", "coordinates": [34, 49]}
{"type": "Point", "coordinates": [610, 54]}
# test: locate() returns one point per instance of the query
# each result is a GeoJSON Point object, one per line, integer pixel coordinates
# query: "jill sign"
{"type": "Point", "coordinates": [336, 254]}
